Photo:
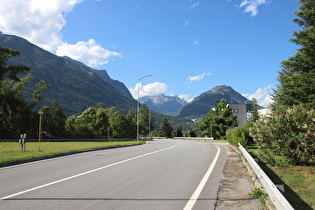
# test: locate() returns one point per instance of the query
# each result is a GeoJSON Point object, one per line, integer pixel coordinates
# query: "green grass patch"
{"type": "Point", "coordinates": [261, 196]}
{"type": "Point", "coordinates": [11, 151]}
{"type": "Point", "coordinates": [299, 181]}
{"type": "Point", "coordinates": [301, 184]}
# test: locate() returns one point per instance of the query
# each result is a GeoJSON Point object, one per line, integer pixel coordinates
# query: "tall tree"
{"type": "Point", "coordinates": [218, 120]}
{"type": "Point", "coordinates": [122, 127]}
{"type": "Point", "coordinates": [166, 128]}
{"type": "Point", "coordinates": [144, 120]}
{"type": "Point", "coordinates": [54, 120]}
{"type": "Point", "coordinates": [132, 119]}
{"type": "Point", "coordinates": [92, 123]}
{"type": "Point", "coordinates": [254, 111]}
{"type": "Point", "coordinates": [178, 132]}
{"type": "Point", "coordinates": [110, 112]}
{"type": "Point", "coordinates": [15, 112]}
{"type": "Point", "coordinates": [12, 104]}
{"type": "Point", "coordinates": [10, 71]}
{"type": "Point", "coordinates": [297, 78]}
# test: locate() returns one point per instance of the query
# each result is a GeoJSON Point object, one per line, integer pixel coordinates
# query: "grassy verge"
{"type": "Point", "coordinates": [11, 151]}
{"type": "Point", "coordinates": [299, 181]}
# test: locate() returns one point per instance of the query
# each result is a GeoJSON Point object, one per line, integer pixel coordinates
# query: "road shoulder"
{"type": "Point", "coordinates": [235, 185]}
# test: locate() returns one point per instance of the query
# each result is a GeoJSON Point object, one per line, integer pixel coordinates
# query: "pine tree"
{"type": "Point", "coordinates": [254, 111]}
{"type": "Point", "coordinates": [297, 78]}
{"type": "Point", "coordinates": [166, 128]}
{"type": "Point", "coordinates": [218, 120]}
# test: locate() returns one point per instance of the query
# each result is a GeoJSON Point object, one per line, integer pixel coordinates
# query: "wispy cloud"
{"type": "Point", "coordinates": [262, 95]}
{"type": "Point", "coordinates": [193, 6]}
{"type": "Point", "coordinates": [186, 23]}
{"type": "Point", "coordinates": [148, 90]}
{"type": "Point", "coordinates": [196, 42]}
{"type": "Point", "coordinates": [186, 98]}
{"type": "Point", "coordinates": [252, 6]}
{"type": "Point", "coordinates": [198, 77]}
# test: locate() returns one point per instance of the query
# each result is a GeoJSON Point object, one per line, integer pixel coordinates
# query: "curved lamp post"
{"type": "Point", "coordinates": [138, 105]}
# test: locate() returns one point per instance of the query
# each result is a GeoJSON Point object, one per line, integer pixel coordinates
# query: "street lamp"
{"type": "Point", "coordinates": [138, 105]}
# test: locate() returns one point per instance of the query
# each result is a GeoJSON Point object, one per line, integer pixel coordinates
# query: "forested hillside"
{"type": "Point", "coordinates": [74, 85]}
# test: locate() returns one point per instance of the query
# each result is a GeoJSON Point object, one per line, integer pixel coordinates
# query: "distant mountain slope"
{"type": "Point", "coordinates": [202, 104]}
{"type": "Point", "coordinates": [119, 86]}
{"type": "Point", "coordinates": [74, 85]}
{"type": "Point", "coordinates": [170, 105]}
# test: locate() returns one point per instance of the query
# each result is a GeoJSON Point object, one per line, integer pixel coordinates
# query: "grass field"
{"type": "Point", "coordinates": [11, 151]}
{"type": "Point", "coordinates": [299, 181]}
{"type": "Point", "coordinates": [301, 185]}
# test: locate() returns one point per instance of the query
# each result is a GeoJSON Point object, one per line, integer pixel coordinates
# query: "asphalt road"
{"type": "Point", "coordinates": [162, 174]}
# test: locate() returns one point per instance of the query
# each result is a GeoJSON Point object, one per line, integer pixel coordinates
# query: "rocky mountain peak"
{"type": "Point", "coordinates": [205, 101]}
{"type": "Point", "coordinates": [161, 103]}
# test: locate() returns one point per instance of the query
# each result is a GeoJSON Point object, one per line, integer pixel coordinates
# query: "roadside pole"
{"type": "Point", "coordinates": [40, 112]}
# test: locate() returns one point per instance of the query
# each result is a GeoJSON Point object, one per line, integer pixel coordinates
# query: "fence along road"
{"type": "Point", "coordinates": [162, 174]}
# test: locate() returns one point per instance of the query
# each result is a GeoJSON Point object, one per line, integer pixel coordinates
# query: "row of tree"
{"type": "Point", "coordinates": [99, 123]}
{"type": "Point", "coordinates": [17, 115]}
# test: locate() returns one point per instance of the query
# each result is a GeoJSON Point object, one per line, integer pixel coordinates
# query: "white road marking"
{"type": "Point", "coordinates": [190, 204]}
{"type": "Point", "coordinates": [84, 173]}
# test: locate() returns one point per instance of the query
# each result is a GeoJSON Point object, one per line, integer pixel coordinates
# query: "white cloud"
{"type": "Point", "coordinates": [252, 6]}
{"type": "Point", "coordinates": [262, 95]}
{"type": "Point", "coordinates": [39, 21]}
{"type": "Point", "coordinates": [186, 98]}
{"type": "Point", "coordinates": [198, 77]}
{"type": "Point", "coordinates": [149, 89]}
{"type": "Point", "coordinates": [196, 42]}
{"type": "Point", "coordinates": [88, 52]}
{"type": "Point", "coordinates": [193, 6]}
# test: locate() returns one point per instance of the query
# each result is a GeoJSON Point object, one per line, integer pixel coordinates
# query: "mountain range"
{"type": "Point", "coordinates": [76, 86]}
{"type": "Point", "coordinates": [207, 100]}
{"type": "Point", "coordinates": [170, 105]}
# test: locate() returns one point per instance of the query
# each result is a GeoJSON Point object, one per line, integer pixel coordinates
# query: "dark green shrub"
{"type": "Point", "coordinates": [239, 135]}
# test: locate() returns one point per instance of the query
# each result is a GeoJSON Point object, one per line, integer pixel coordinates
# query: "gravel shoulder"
{"type": "Point", "coordinates": [235, 185]}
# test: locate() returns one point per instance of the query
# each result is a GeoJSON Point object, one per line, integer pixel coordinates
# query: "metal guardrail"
{"type": "Point", "coordinates": [275, 195]}
{"type": "Point", "coordinates": [195, 138]}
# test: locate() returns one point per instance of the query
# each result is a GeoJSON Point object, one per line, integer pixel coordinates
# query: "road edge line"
{"type": "Point", "coordinates": [190, 204]}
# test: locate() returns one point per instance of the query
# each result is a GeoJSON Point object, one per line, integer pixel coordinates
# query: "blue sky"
{"type": "Point", "coordinates": [188, 46]}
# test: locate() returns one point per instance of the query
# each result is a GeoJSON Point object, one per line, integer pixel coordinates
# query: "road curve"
{"type": "Point", "coordinates": [162, 174]}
